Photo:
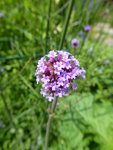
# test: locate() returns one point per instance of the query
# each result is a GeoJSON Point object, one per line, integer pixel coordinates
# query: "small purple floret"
{"type": "Point", "coordinates": [75, 43]}
{"type": "Point", "coordinates": [87, 28]}
{"type": "Point", "coordinates": [57, 71]}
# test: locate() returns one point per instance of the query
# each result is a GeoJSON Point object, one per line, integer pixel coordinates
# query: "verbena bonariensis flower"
{"type": "Point", "coordinates": [57, 70]}
{"type": "Point", "coordinates": [87, 28]}
{"type": "Point", "coordinates": [75, 43]}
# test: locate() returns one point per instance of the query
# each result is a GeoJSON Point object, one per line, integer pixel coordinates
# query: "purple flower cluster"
{"type": "Point", "coordinates": [57, 71]}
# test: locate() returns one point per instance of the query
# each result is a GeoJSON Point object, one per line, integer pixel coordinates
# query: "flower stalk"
{"type": "Point", "coordinates": [49, 122]}
{"type": "Point", "coordinates": [66, 23]}
{"type": "Point", "coordinates": [48, 23]}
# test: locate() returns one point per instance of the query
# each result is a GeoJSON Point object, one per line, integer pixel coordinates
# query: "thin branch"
{"type": "Point", "coordinates": [62, 8]}
{"type": "Point", "coordinates": [66, 24]}
{"type": "Point", "coordinates": [49, 122]}
{"type": "Point", "coordinates": [47, 28]}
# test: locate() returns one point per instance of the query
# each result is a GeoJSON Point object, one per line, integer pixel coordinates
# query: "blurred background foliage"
{"type": "Point", "coordinates": [84, 119]}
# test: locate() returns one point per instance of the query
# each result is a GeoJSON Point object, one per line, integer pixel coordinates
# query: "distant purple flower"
{"type": "Point", "coordinates": [75, 43]}
{"type": "Point", "coordinates": [1, 15]}
{"type": "Point", "coordinates": [2, 125]}
{"type": "Point", "coordinates": [90, 49]}
{"type": "Point", "coordinates": [101, 71]}
{"type": "Point", "coordinates": [81, 34]}
{"type": "Point", "coordinates": [87, 28]}
{"type": "Point", "coordinates": [107, 62]}
{"type": "Point", "coordinates": [2, 70]}
{"type": "Point", "coordinates": [57, 71]}
{"type": "Point", "coordinates": [77, 23]}
{"type": "Point", "coordinates": [74, 86]}
{"type": "Point", "coordinates": [90, 4]}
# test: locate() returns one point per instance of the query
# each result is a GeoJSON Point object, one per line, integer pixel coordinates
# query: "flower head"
{"type": "Point", "coordinates": [57, 71]}
{"type": "Point", "coordinates": [75, 43]}
{"type": "Point", "coordinates": [87, 28]}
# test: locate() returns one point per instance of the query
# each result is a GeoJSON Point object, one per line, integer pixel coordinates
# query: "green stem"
{"type": "Point", "coordinates": [60, 10]}
{"type": "Point", "coordinates": [66, 24]}
{"type": "Point", "coordinates": [49, 122]}
{"type": "Point", "coordinates": [48, 22]}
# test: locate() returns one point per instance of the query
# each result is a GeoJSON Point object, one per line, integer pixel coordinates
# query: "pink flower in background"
{"type": "Point", "coordinates": [87, 28]}
{"type": "Point", "coordinates": [57, 71]}
{"type": "Point", "coordinates": [75, 43]}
